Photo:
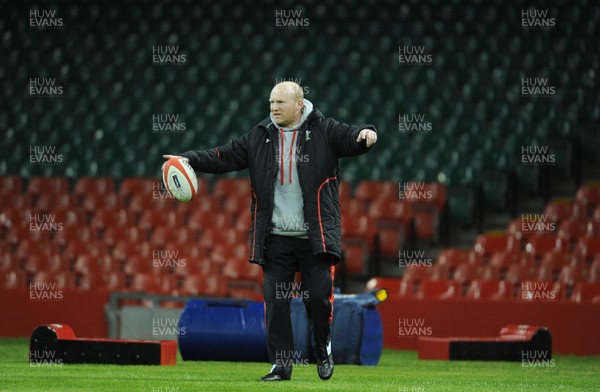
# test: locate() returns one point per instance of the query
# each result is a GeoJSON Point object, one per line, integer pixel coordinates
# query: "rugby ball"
{"type": "Point", "coordinates": [180, 179]}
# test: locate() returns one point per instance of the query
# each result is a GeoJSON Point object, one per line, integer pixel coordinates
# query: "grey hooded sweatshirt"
{"type": "Point", "coordinates": [288, 211]}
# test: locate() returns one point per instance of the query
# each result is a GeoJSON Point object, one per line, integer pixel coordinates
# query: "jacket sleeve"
{"type": "Point", "coordinates": [342, 138]}
{"type": "Point", "coordinates": [232, 156]}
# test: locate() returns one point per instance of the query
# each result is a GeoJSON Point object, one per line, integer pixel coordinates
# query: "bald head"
{"type": "Point", "coordinates": [287, 101]}
{"type": "Point", "coordinates": [288, 88]}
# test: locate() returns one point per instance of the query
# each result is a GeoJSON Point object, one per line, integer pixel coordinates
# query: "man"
{"type": "Point", "coordinates": [292, 158]}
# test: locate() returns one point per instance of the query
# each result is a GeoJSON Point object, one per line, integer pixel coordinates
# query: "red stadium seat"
{"type": "Point", "coordinates": [438, 289]}
{"type": "Point", "coordinates": [594, 275]}
{"type": "Point", "coordinates": [385, 211]}
{"type": "Point", "coordinates": [492, 289]}
{"type": "Point", "coordinates": [542, 291]}
{"type": "Point", "coordinates": [11, 184]}
{"type": "Point", "coordinates": [355, 256]}
{"type": "Point", "coordinates": [36, 262]}
{"type": "Point", "coordinates": [587, 248]}
{"type": "Point", "coordinates": [136, 186]}
{"type": "Point", "coordinates": [392, 285]}
{"type": "Point", "coordinates": [539, 244]}
{"type": "Point", "coordinates": [226, 187]}
{"type": "Point", "coordinates": [415, 273]}
{"type": "Point", "coordinates": [465, 273]}
{"type": "Point", "coordinates": [95, 201]}
{"type": "Point", "coordinates": [56, 185]}
{"type": "Point", "coordinates": [368, 190]}
{"type": "Point", "coordinates": [518, 273]}
{"type": "Point", "coordinates": [353, 208]}
{"type": "Point", "coordinates": [586, 292]}
{"type": "Point", "coordinates": [502, 260]}
{"type": "Point", "coordinates": [453, 257]}
{"type": "Point", "coordinates": [94, 185]}
{"type": "Point", "coordinates": [51, 202]}
{"type": "Point", "coordinates": [213, 286]}
{"type": "Point", "coordinates": [589, 195]}
{"type": "Point", "coordinates": [486, 244]}
{"type": "Point", "coordinates": [571, 229]}
{"type": "Point", "coordinates": [345, 191]}
{"type": "Point", "coordinates": [559, 210]}
{"type": "Point", "coordinates": [13, 279]}
{"type": "Point", "coordinates": [103, 219]}
{"type": "Point", "coordinates": [572, 274]}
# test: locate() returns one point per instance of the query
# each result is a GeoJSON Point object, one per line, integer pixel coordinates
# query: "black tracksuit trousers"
{"type": "Point", "coordinates": [284, 256]}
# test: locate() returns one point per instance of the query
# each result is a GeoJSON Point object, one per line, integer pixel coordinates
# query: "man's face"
{"type": "Point", "coordinates": [285, 108]}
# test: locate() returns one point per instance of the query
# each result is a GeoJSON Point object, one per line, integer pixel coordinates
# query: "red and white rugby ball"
{"type": "Point", "coordinates": [180, 179]}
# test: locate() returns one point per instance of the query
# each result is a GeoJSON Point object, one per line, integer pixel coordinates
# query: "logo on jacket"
{"type": "Point", "coordinates": [268, 140]}
{"type": "Point", "coordinates": [307, 135]}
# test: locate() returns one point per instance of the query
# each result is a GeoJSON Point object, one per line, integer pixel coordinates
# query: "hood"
{"type": "Point", "coordinates": [306, 111]}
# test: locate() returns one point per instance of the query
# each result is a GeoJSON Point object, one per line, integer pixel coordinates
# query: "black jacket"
{"type": "Point", "coordinates": [318, 171]}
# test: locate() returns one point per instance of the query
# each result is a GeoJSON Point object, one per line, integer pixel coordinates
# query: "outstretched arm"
{"type": "Point", "coordinates": [232, 156]}
{"type": "Point", "coordinates": [351, 140]}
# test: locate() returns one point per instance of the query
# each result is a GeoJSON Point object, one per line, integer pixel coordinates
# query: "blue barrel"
{"type": "Point", "coordinates": [223, 330]}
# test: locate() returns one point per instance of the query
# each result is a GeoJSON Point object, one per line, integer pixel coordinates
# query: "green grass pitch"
{"type": "Point", "coordinates": [398, 371]}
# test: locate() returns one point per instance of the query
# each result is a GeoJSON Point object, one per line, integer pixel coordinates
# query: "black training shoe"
{"type": "Point", "coordinates": [278, 374]}
{"type": "Point", "coordinates": [325, 368]}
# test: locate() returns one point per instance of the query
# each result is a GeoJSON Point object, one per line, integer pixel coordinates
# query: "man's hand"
{"type": "Point", "coordinates": [369, 135]}
{"type": "Point", "coordinates": [173, 156]}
